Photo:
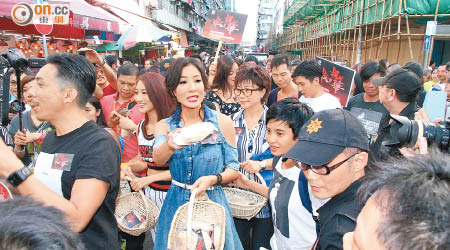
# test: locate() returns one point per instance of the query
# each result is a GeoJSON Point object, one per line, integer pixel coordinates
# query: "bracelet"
{"type": "Point", "coordinates": [219, 179]}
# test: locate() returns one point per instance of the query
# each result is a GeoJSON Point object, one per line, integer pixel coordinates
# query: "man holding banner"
{"type": "Point", "coordinates": [308, 77]}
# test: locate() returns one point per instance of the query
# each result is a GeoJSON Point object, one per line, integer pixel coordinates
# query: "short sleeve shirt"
{"type": "Point", "coordinates": [369, 113]}
{"type": "Point", "coordinates": [27, 123]}
{"type": "Point", "coordinates": [251, 142]}
{"type": "Point", "coordinates": [325, 101]}
{"type": "Point", "coordinates": [294, 227]}
{"type": "Point", "coordinates": [108, 90]}
{"type": "Point", "coordinates": [110, 103]}
{"type": "Point", "coordinates": [87, 152]}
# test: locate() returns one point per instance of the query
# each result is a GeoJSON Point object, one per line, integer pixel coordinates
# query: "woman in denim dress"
{"type": "Point", "coordinates": [200, 166]}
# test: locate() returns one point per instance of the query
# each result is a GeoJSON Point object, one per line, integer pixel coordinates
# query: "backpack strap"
{"type": "Point", "coordinates": [304, 197]}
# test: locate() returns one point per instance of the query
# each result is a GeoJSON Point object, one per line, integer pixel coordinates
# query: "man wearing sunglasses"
{"type": "Point", "coordinates": [332, 153]}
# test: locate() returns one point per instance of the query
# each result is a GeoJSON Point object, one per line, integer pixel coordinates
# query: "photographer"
{"type": "Point", "coordinates": [398, 92]}
{"type": "Point", "coordinates": [33, 128]}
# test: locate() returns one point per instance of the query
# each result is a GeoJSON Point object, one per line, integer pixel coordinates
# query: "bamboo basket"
{"type": "Point", "coordinates": [245, 211]}
{"type": "Point", "coordinates": [199, 209]}
{"type": "Point", "coordinates": [141, 206]}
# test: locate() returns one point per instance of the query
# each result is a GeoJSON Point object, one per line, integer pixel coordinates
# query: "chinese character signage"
{"type": "Point", "coordinates": [337, 80]}
{"type": "Point", "coordinates": [225, 26]}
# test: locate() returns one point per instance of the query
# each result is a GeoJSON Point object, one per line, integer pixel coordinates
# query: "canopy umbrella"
{"type": "Point", "coordinates": [165, 39]}
{"type": "Point", "coordinates": [146, 32]}
{"type": "Point", "coordinates": [109, 47]}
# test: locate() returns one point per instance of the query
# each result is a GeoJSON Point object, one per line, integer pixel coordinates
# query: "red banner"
{"type": "Point", "coordinates": [225, 26]}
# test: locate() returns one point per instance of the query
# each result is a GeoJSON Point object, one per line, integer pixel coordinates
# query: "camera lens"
{"type": "Point", "coordinates": [16, 107]}
{"type": "Point", "coordinates": [405, 132]}
{"type": "Point", "coordinates": [437, 135]}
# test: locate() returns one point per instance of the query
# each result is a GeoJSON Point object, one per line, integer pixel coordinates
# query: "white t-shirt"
{"type": "Point", "coordinates": [325, 101]}
{"type": "Point", "coordinates": [295, 228]}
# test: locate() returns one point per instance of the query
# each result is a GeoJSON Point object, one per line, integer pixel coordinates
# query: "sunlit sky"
{"type": "Point", "coordinates": [249, 7]}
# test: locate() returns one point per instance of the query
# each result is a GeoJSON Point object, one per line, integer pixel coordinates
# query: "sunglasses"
{"type": "Point", "coordinates": [322, 170]}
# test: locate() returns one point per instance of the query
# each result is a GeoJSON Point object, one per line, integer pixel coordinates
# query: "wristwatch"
{"type": "Point", "coordinates": [18, 176]}
{"type": "Point", "coordinates": [262, 165]}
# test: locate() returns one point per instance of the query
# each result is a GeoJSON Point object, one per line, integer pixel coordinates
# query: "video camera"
{"type": "Point", "coordinates": [405, 132]}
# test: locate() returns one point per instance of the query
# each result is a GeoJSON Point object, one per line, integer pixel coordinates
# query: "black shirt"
{"type": "Point", "coordinates": [337, 217]}
{"type": "Point", "coordinates": [86, 152]}
{"type": "Point", "coordinates": [273, 96]}
{"type": "Point", "coordinates": [368, 113]}
{"type": "Point", "coordinates": [379, 152]}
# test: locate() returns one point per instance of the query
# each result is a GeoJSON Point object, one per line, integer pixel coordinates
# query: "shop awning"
{"type": "Point", "coordinates": [83, 16]}
{"type": "Point", "coordinates": [109, 47]}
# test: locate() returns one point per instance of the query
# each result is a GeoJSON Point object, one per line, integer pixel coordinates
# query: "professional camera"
{"type": "Point", "coordinates": [405, 132]}
{"type": "Point", "coordinates": [12, 58]}
{"type": "Point", "coordinates": [16, 59]}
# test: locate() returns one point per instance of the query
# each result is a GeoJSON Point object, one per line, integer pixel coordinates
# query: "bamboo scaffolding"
{"type": "Point", "coordinates": [381, 30]}
{"type": "Point", "coordinates": [333, 36]}
{"type": "Point", "coordinates": [432, 37]}
{"type": "Point", "coordinates": [373, 30]}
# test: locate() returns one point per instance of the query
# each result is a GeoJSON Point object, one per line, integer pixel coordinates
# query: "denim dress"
{"type": "Point", "coordinates": [189, 164]}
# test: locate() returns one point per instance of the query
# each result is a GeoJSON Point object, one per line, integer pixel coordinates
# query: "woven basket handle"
{"type": "Point", "coordinates": [189, 217]}
{"type": "Point", "coordinates": [144, 198]}
{"type": "Point", "coordinates": [140, 192]}
{"type": "Point", "coordinates": [259, 176]}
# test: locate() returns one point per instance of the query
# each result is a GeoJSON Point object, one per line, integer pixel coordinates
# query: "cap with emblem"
{"type": "Point", "coordinates": [326, 135]}
{"type": "Point", "coordinates": [164, 65]}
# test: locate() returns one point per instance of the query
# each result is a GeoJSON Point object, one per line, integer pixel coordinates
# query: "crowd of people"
{"type": "Point", "coordinates": [330, 178]}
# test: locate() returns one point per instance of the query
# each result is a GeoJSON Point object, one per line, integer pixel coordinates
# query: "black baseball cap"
{"type": "Point", "coordinates": [164, 65]}
{"type": "Point", "coordinates": [414, 67]}
{"type": "Point", "coordinates": [326, 135]}
{"type": "Point", "coordinates": [402, 80]}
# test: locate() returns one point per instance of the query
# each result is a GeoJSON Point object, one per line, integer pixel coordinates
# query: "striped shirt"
{"type": "Point", "coordinates": [6, 137]}
{"type": "Point", "coordinates": [251, 143]}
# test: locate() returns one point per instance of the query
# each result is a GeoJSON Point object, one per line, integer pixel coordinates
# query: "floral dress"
{"type": "Point", "coordinates": [225, 108]}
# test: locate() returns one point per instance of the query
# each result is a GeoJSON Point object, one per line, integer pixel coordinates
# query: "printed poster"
{"type": "Point", "coordinates": [225, 26]}
{"type": "Point", "coordinates": [337, 80]}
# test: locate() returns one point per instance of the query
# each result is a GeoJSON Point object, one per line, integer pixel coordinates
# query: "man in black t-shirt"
{"type": "Point", "coordinates": [78, 168]}
{"type": "Point", "coordinates": [366, 106]}
{"type": "Point", "coordinates": [281, 75]}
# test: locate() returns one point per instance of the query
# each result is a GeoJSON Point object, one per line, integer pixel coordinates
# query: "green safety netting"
{"type": "Point", "coordinates": [309, 10]}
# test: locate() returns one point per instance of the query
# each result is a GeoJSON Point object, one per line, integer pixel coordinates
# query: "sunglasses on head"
{"type": "Point", "coordinates": [322, 170]}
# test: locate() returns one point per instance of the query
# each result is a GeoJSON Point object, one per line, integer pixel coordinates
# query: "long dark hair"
{"type": "Point", "coordinates": [174, 73]}
{"type": "Point", "coordinates": [96, 103]}
{"type": "Point", "coordinates": [157, 93]}
{"type": "Point", "coordinates": [223, 70]}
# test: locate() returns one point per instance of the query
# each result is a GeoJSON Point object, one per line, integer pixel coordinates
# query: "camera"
{"type": "Point", "coordinates": [405, 132]}
{"type": "Point", "coordinates": [16, 107]}
{"type": "Point", "coordinates": [16, 59]}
